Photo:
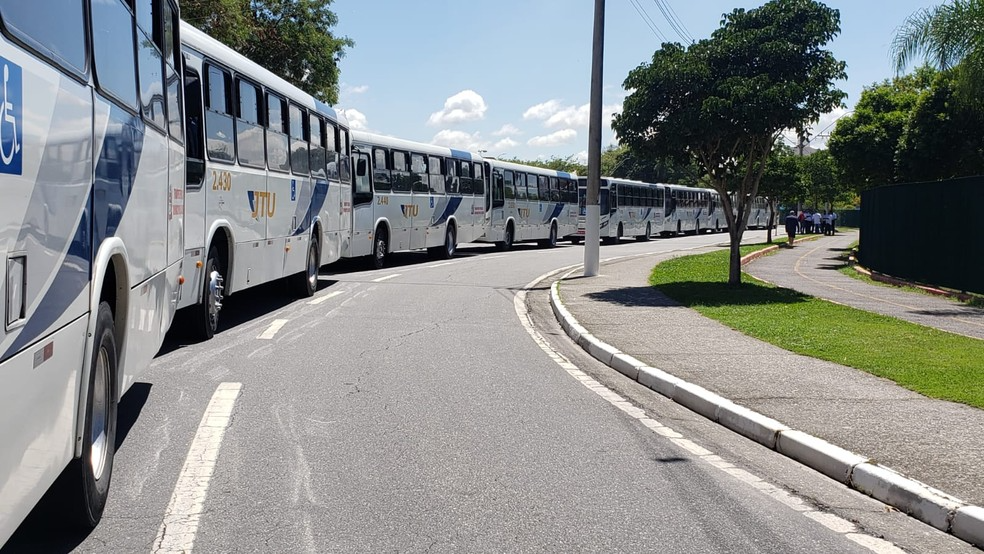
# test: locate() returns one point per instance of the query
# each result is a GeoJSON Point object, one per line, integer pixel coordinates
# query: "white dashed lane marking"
{"type": "Point", "coordinates": [180, 525]}
{"type": "Point", "coordinates": [328, 296]}
{"type": "Point", "coordinates": [271, 331]}
{"type": "Point", "coordinates": [386, 277]}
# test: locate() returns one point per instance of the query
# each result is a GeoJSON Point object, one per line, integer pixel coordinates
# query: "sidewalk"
{"type": "Point", "coordinates": [934, 442]}
{"type": "Point", "coordinates": [811, 268]}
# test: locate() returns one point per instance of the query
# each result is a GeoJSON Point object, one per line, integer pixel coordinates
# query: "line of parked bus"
{"type": "Point", "coordinates": [641, 210]}
{"type": "Point", "coordinates": [150, 171]}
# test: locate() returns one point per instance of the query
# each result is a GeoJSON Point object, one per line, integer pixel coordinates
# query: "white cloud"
{"type": "Point", "coordinates": [460, 140]}
{"type": "Point", "coordinates": [354, 89]}
{"type": "Point", "coordinates": [582, 157]}
{"type": "Point", "coordinates": [563, 136]}
{"type": "Point", "coordinates": [507, 129]}
{"type": "Point", "coordinates": [543, 110]}
{"type": "Point", "coordinates": [356, 119]}
{"type": "Point", "coordinates": [504, 144]}
{"type": "Point", "coordinates": [467, 105]}
{"type": "Point", "coordinates": [823, 126]}
{"type": "Point", "coordinates": [556, 115]}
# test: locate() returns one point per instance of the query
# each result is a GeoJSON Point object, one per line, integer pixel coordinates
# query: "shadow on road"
{"type": "Point", "coordinates": [691, 293]}
{"type": "Point", "coordinates": [45, 529]}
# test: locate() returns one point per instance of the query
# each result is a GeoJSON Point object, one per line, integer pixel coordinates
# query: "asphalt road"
{"type": "Point", "coordinates": [409, 409]}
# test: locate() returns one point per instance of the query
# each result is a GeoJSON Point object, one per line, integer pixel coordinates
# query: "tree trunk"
{"type": "Point", "coordinates": [734, 260]}
{"type": "Point", "coordinates": [772, 219]}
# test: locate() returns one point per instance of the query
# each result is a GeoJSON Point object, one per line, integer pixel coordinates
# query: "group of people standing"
{"type": "Point", "coordinates": [807, 222]}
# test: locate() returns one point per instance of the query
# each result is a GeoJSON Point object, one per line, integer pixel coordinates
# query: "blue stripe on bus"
{"type": "Point", "coordinates": [460, 154]}
{"type": "Point", "coordinates": [114, 177]}
{"type": "Point", "coordinates": [555, 213]}
{"type": "Point", "coordinates": [450, 208]}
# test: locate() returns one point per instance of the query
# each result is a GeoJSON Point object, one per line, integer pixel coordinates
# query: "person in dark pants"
{"type": "Point", "coordinates": [792, 222]}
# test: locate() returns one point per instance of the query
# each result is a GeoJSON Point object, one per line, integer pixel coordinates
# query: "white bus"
{"type": "Point", "coordinates": [628, 208]}
{"type": "Point", "coordinates": [410, 195]}
{"type": "Point", "coordinates": [712, 217]}
{"type": "Point", "coordinates": [528, 203]}
{"type": "Point", "coordinates": [268, 192]}
{"type": "Point", "coordinates": [684, 207]}
{"type": "Point", "coordinates": [92, 172]}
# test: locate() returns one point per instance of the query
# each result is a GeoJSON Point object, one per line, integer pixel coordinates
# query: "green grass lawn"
{"type": "Point", "coordinates": [931, 362]}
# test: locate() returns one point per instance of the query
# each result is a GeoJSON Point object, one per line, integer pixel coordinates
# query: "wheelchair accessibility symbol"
{"type": "Point", "coordinates": [11, 133]}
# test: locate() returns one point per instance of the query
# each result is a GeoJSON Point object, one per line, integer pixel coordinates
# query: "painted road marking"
{"type": "Point", "coordinates": [833, 522]}
{"type": "Point", "coordinates": [321, 299]}
{"type": "Point", "coordinates": [180, 525]}
{"type": "Point", "coordinates": [271, 331]}
{"type": "Point", "coordinates": [443, 264]}
{"type": "Point", "coordinates": [386, 277]}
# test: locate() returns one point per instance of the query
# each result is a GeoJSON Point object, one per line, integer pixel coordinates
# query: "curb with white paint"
{"type": "Point", "coordinates": [942, 511]}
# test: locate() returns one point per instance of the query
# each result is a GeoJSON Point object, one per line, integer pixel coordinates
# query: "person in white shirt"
{"type": "Point", "coordinates": [833, 220]}
{"type": "Point", "coordinates": [816, 222]}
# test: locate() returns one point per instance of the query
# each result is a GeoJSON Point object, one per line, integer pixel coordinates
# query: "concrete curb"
{"type": "Point", "coordinates": [936, 508]}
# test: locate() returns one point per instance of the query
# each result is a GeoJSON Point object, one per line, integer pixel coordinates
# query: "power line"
{"type": "Point", "coordinates": [674, 24]}
{"type": "Point", "coordinates": [648, 20]}
{"type": "Point", "coordinates": [678, 20]}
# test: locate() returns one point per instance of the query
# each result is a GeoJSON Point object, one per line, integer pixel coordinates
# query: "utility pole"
{"type": "Point", "coordinates": [592, 216]}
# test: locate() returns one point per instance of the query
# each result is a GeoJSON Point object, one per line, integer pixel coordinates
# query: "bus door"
{"type": "Point", "coordinates": [363, 218]}
{"type": "Point", "coordinates": [195, 175]}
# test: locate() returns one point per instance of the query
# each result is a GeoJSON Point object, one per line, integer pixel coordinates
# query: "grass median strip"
{"type": "Point", "coordinates": [931, 362]}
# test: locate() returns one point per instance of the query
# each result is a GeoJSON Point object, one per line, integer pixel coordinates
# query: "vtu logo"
{"type": "Point", "coordinates": [262, 203]}
{"type": "Point", "coordinates": [11, 119]}
{"type": "Point", "coordinates": [410, 210]}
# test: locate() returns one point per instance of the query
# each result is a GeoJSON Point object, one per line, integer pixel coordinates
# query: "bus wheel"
{"type": "Point", "coordinates": [446, 252]}
{"type": "Point", "coordinates": [507, 240]}
{"type": "Point", "coordinates": [550, 241]}
{"type": "Point", "coordinates": [94, 469]}
{"type": "Point", "coordinates": [305, 284]}
{"type": "Point", "coordinates": [207, 312]}
{"type": "Point", "coordinates": [380, 247]}
{"type": "Point", "coordinates": [649, 232]}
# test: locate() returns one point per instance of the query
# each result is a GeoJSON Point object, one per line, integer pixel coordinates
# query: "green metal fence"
{"type": "Point", "coordinates": [926, 232]}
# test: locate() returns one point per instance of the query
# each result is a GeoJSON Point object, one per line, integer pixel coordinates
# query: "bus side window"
{"type": "Point", "coordinates": [466, 181]}
{"type": "Point", "coordinates": [498, 192]}
{"type": "Point", "coordinates": [249, 131]}
{"type": "Point", "coordinates": [150, 61]}
{"type": "Point", "coordinates": [343, 156]}
{"type": "Point", "coordinates": [331, 151]}
{"type": "Point", "coordinates": [55, 32]}
{"type": "Point", "coordinates": [451, 185]}
{"type": "Point", "coordinates": [195, 143]}
{"type": "Point", "coordinates": [172, 49]}
{"type": "Point", "coordinates": [362, 183]}
{"type": "Point", "coordinates": [276, 133]}
{"type": "Point", "coordinates": [381, 172]}
{"type": "Point", "coordinates": [478, 180]}
{"type": "Point", "coordinates": [401, 172]}
{"type": "Point", "coordinates": [435, 174]}
{"type": "Point", "coordinates": [317, 126]}
{"type": "Point", "coordinates": [218, 115]}
{"type": "Point", "coordinates": [113, 49]}
{"type": "Point", "coordinates": [300, 158]}
{"type": "Point", "coordinates": [418, 168]}
{"type": "Point", "coordinates": [519, 184]}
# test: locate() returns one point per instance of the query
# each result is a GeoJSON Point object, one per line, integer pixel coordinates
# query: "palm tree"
{"type": "Point", "coordinates": [951, 37]}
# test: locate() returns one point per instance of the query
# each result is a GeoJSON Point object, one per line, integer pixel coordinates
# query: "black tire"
{"type": "Point", "coordinates": [446, 251]}
{"type": "Point", "coordinates": [380, 249]}
{"type": "Point", "coordinates": [507, 240]}
{"type": "Point", "coordinates": [305, 283]}
{"type": "Point", "coordinates": [85, 487]}
{"type": "Point", "coordinates": [206, 314]}
{"type": "Point", "coordinates": [649, 232]}
{"type": "Point", "coordinates": [619, 234]}
{"type": "Point", "coordinates": [551, 240]}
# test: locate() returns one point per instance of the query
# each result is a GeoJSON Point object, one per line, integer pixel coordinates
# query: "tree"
{"type": "Point", "coordinates": [291, 38]}
{"type": "Point", "coordinates": [819, 180]}
{"type": "Point", "coordinates": [723, 101]}
{"type": "Point", "coordinates": [568, 164]}
{"type": "Point", "coordinates": [950, 35]}
{"type": "Point", "coordinates": [623, 162]}
{"type": "Point", "coordinates": [942, 138]}
{"type": "Point", "coordinates": [864, 144]}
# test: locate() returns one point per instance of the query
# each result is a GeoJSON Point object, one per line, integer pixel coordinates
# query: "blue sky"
{"type": "Point", "coordinates": [513, 77]}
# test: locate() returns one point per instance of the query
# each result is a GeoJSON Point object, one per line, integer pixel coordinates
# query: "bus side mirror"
{"type": "Point", "coordinates": [361, 168]}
